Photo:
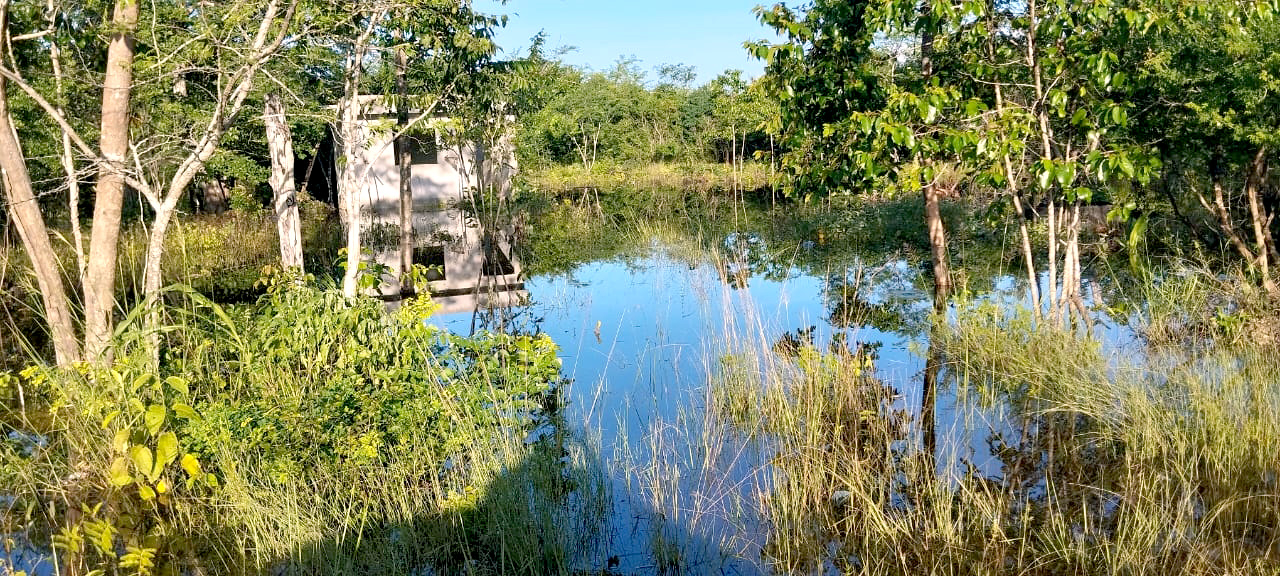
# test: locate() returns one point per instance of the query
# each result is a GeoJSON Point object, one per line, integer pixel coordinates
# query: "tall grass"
{"type": "Point", "coordinates": [1143, 459]}
{"type": "Point", "coordinates": [307, 435]}
{"type": "Point", "coordinates": [222, 256]}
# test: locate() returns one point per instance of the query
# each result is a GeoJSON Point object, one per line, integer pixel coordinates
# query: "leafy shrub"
{"type": "Point", "coordinates": [270, 438]}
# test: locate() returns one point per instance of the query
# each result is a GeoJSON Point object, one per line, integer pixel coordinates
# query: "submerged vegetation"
{"type": "Point", "coordinates": [1096, 464]}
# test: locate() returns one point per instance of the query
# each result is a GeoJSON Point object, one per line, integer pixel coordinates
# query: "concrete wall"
{"type": "Point", "coordinates": [434, 185]}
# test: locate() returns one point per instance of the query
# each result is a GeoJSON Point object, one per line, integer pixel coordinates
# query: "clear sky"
{"type": "Point", "coordinates": [707, 34]}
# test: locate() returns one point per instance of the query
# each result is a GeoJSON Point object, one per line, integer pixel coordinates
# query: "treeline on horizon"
{"type": "Point", "coordinates": [573, 115]}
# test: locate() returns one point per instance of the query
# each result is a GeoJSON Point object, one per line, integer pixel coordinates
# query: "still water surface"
{"type": "Point", "coordinates": [641, 337]}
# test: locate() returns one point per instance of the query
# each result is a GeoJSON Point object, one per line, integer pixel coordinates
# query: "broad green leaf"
{"type": "Point", "coordinates": [142, 381]}
{"type": "Point", "coordinates": [142, 459]}
{"type": "Point", "coordinates": [178, 384]}
{"type": "Point", "coordinates": [166, 452]}
{"type": "Point", "coordinates": [121, 441]}
{"type": "Point", "coordinates": [185, 412]}
{"type": "Point", "coordinates": [1126, 166]}
{"type": "Point", "coordinates": [119, 473]}
{"type": "Point", "coordinates": [146, 492]}
{"type": "Point", "coordinates": [154, 418]}
{"type": "Point", "coordinates": [1045, 178]}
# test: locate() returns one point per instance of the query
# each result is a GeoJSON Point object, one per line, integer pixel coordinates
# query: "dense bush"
{"type": "Point", "coordinates": [273, 437]}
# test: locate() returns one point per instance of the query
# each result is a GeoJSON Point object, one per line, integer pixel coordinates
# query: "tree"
{"type": "Point", "coordinates": [853, 116]}
{"type": "Point", "coordinates": [285, 201]}
{"type": "Point", "coordinates": [857, 116]}
{"type": "Point", "coordinates": [21, 202]}
{"type": "Point", "coordinates": [1208, 92]}
{"type": "Point", "coordinates": [241, 36]}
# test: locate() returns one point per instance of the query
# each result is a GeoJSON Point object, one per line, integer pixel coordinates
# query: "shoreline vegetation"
{"type": "Point", "coordinates": [687, 177]}
{"type": "Point", "coordinates": [1106, 466]}
{"type": "Point", "coordinates": [1059, 216]}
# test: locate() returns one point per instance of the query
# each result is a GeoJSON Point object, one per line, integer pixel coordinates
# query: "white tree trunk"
{"type": "Point", "coordinates": [351, 138]}
{"type": "Point", "coordinates": [280, 146]}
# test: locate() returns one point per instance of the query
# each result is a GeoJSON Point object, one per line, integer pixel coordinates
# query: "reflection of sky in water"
{"type": "Point", "coordinates": [660, 324]}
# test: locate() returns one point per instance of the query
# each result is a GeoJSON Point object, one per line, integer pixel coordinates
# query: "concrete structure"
{"type": "Point", "coordinates": [475, 266]}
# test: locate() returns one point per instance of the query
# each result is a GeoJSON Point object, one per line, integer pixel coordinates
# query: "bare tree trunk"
{"type": "Point", "coordinates": [280, 144]}
{"type": "Point", "coordinates": [405, 157]}
{"type": "Point", "coordinates": [21, 201]}
{"type": "Point", "coordinates": [68, 157]}
{"type": "Point", "coordinates": [104, 238]}
{"type": "Point", "coordinates": [1046, 143]}
{"type": "Point", "coordinates": [353, 152]}
{"type": "Point", "coordinates": [1261, 224]}
{"type": "Point", "coordinates": [1028, 257]}
{"type": "Point", "coordinates": [1077, 275]}
{"type": "Point", "coordinates": [1220, 210]}
{"type": "Point", "coordinates": [351, 136]}
{"type": "Point", "coordinates": [1055, 310]}
{"type": "Point", "coordinates": [932, 203]}
{"type": "Point", "coordinates": [152, 275]}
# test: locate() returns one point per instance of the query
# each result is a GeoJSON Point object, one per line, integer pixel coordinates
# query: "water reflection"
{"type": "Point", "coordinates": [645, 331]}
{"type": "Point", "coordinates": [471, 267]}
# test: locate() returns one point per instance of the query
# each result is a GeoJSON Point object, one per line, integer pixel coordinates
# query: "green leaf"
{"type": "Point", "coordinates": [154, 418]}
{"type": "Point", "coordinates": [166, 451]}
{"type": "Point", "coordinates": [142, 381]}
{"type": "Point", "coordinates": [119, 473]}
{"type": "Point", "coordinates": [1126, 166]}
{"type": "Point", "coordinates": [179, 385]}
{"type": "Point", "coordinates": [142, 459]}
{"type": "Point", "coordinates": [146, 492]}
{"type": "Point", "coordinates": [1066, 174]}
{"type": "Point", "coordinates": [185, 412]}
{"type": "Point", "coordinates": [121, 442]}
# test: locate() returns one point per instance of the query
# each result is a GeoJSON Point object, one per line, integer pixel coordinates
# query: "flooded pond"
{"type": "Point", "coordinates": [757, 391]}
{"type": "Point", "coordinates": [648, 332]}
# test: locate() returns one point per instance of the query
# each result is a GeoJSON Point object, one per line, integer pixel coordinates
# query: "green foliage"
{"type": "Point", "coordinates": [374, 417]}
{"type": "Point", "coordinates": [575, 116]}
{"type": "Point", "coordinates": [859, 112]}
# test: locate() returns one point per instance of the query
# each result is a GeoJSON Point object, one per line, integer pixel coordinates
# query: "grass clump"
{"type": "Point", "coordinates": [1145, 459]}
{"type": "Point", "coordinates": [1164, 463]}
{"type": "Point", "coordinates": [308, 434]}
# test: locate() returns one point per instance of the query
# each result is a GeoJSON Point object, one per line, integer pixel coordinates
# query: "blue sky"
{"type": "Point", "coordinates": [707, 34]}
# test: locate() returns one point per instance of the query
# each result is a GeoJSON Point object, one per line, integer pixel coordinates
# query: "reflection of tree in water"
{"type": "Point", "coordinates": [745, 255]}
{"type": "Point", "coordinates": [876, 298]}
